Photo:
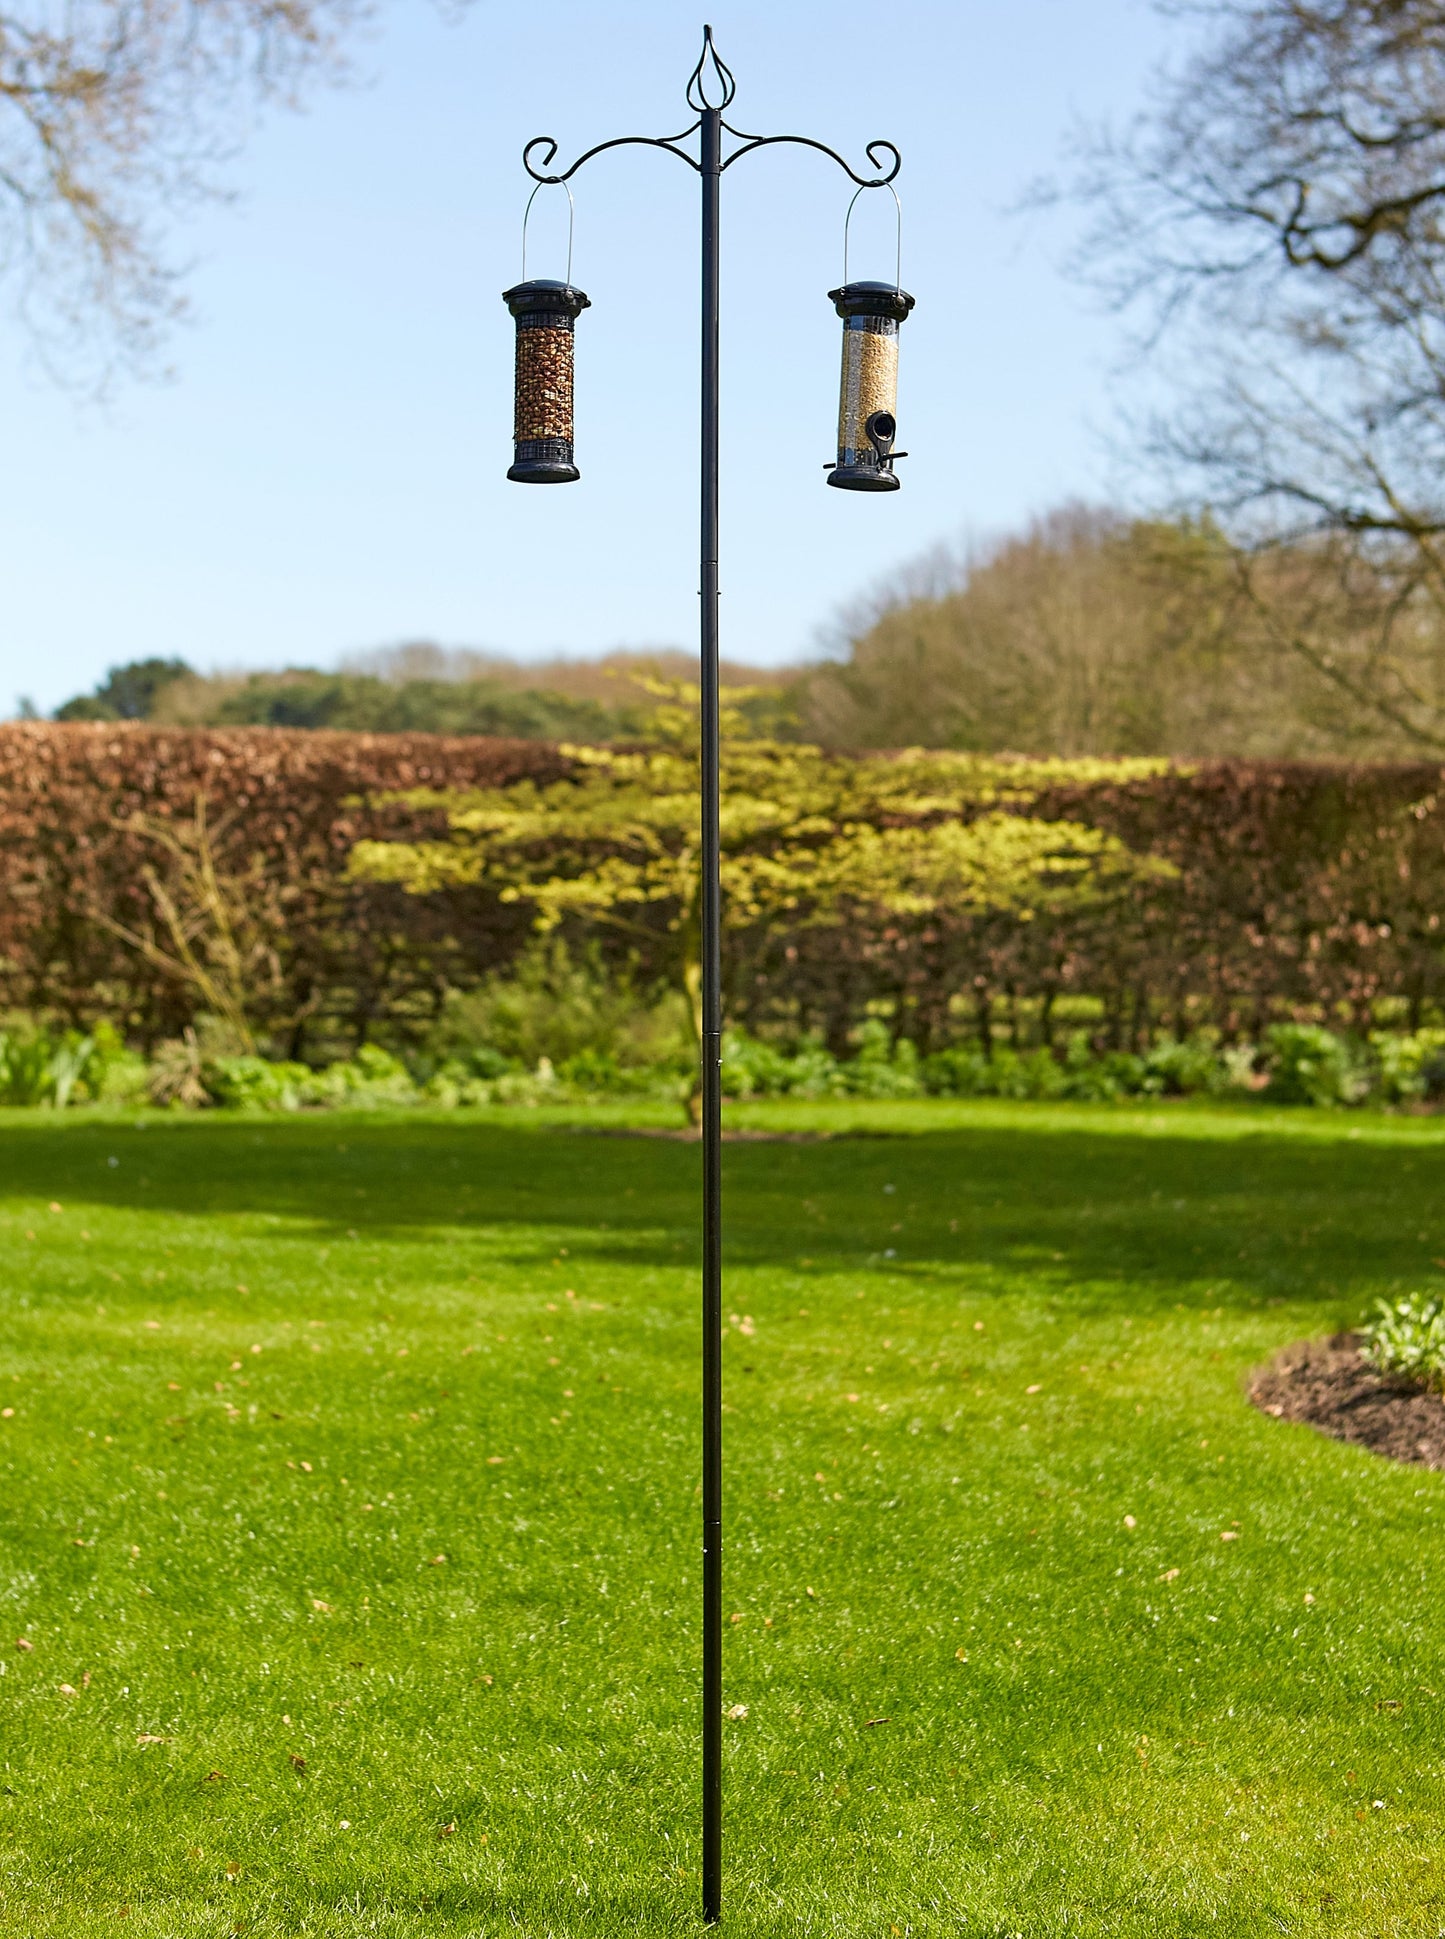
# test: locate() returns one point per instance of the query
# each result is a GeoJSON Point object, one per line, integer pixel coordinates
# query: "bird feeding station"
{"type": "Point", "coordinates": [546, 314]}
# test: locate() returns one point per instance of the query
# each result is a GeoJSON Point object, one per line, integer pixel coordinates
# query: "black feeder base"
{"type": "Point", "coordinates": [543, 461]}
{"type": "Point", "coordinates": [863, 478]}
{"type": "Point", "coordinates": [543, 471]}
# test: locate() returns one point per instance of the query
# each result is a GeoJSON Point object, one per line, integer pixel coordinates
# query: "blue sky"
{"type": "Point", "coordinates": [324, 473]}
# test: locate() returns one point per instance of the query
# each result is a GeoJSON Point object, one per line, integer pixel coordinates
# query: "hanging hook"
{"type": "Point", "coordinates": [898, 207]}
{"type": "Point", "coordinates": [571, 224]}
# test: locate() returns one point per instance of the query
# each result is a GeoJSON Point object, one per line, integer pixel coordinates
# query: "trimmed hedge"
{"type": "Point", "coordinates": [1301, 891]}
{"type": "Point", "coordinates": [284, 808]}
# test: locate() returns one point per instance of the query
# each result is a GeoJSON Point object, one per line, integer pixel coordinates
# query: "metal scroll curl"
{"type": "Point", "coordinates": [875, 152]}
{"type": "Point", "coordinates": [669, 142]}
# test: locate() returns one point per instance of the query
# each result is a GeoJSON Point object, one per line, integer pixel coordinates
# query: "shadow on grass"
{"type": "Point", "coordinates": [1187, 1219]}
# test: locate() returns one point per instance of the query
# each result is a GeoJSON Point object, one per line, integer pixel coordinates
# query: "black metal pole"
{"type": "Point", "coordinates": [712, 1604]}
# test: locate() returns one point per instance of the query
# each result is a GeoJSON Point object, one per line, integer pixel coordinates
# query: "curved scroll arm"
{"type": "Point", "coordinates": [876, 150]}
{"type": "Point", "coordinates": [669, 142]}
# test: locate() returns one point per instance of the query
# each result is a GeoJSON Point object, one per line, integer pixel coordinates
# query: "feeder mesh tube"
{"type": "Point", "coordinates": [544, 380]}
{"type": "Point", "coordinates": [870, 383]}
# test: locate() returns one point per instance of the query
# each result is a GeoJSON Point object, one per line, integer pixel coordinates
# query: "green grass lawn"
{"type": "Point", "coordinates": [348, 1505]}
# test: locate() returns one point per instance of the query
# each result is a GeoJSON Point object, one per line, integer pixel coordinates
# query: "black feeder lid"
{"type": "Point", "coordinates": [526, 299]}
{"type": "Point", "coordinates": [871, 299]}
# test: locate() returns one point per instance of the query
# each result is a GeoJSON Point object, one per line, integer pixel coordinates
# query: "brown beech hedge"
{"type": "Point", "coordinates": [1296, 889]}
{"type": "Point", "coordinates": [79, 810]}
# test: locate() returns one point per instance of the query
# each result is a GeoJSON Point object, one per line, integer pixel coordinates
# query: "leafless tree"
{"type": "Point", "coordinates": [1092, 633]}
{"type": "Point", "coordinates": [114, 116]}
{"type": "Point", "coordinates": [1276, 222]}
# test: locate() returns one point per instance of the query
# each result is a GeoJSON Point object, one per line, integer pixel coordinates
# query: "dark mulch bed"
{"type": "Point", "coordinates": [1330, 1385]}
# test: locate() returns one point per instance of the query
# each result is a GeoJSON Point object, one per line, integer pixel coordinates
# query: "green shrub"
{"type": "Point", "coordinates": [598, 1071]}
{"type": "Point", "coordinates": [479, 1065]}
{"type": "Point", "coordinates": [1172, 1068]}
{"type": "Point", "coordinates": [39, 1066]}
{"type": "Point", "coordinates": [621, 1048]}
{"type": "Point", "coordinates": [558, 1005]}
{"type": "Point", "coordinates": [1183, 1069]}
{"type": "Point", "coordinates": [1311, 1065]}
{"type": "Point", "coordinates": [754, 1069]}
{"type": "Point", "coordinates": [1412, 1068]}
{"type": "Point", "coordinates": [1408, 1337]}
{"type": "Point", "coordinates": [248, 1083]}
{"type": "Point", "coordinates": [883, 1067]}
{"type": "Point", "coordinates": [1020, 1074]}
{"type": "Point", "coordinates": [816, 1071]}
{"type": "Point", "coordinates": [537, 1086]}
{"type": "Point", "coordinates": [114, 1074]}
{"type": "Point", "coordinates": [372, 1077]}
{"type": "Point", "coordinates": [176, 1081]}
{"type": "Point", "coordinates": [960, 1071]}
{"type": "Point", "coordinates": [1095, 1077]}
{"type": "Point", "coordinates": [254, 1084]}
{"type": "Point", "coordinates": [1239, 1068]}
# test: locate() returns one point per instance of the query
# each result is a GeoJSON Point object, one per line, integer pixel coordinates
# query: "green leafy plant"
{"type": "Point", "coordinates": [1407, 1336]}
{"type": "Point", "coordinates": [562, 1004]}
{"type": "Point", "coordinates": [39, 1066]}
{"type": "Point", "coordinates": [1311, 1065]}
{"type": "Point", "coordinates": [751, 1068]}
{"type": "Point", "coordinates": [1412, 1066]}
{"type": "Point", "coordinates": [883, 1067]}
{"type": "Point", "coordinates": [372, 1077]}
{"type": "Point", "coordinates": [113, 1073]}
{"type": "Point", "coordinates": [253, 1084]}
{"type": "Point", "coordinates": [1183, 1069]}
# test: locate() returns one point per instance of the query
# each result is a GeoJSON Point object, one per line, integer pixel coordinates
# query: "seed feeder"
{"type": "Point", "coordinates": [868, 395]}
{"type": "Point", "coordinates": [546, 314]}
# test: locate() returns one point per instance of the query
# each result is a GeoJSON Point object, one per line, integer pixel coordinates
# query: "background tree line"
{"type": "Point", "coordinates": [424, 689]}
{"type": "Point", "coordinates": [1091, 632]}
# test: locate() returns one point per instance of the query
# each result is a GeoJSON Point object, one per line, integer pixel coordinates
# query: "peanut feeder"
{"type": "Point", "coordinates": [546, 314]}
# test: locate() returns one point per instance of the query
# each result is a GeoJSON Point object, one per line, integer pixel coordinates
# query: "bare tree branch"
{"type": "Point", "coordinates": [116, 115]}
{"type": "Point", "coordinates": [1276, 224]}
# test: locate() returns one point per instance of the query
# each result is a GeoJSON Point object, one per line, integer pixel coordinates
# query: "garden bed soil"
{"type": "Point", "coordinates": [1329, 1384]}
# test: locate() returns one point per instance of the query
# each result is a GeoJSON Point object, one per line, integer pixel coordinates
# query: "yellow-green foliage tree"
{"type": "Point", "coordinates": [808, 838]}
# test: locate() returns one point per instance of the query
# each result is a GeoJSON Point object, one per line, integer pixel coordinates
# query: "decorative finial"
{"type": "Point", "coordinates": [711, 70]}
